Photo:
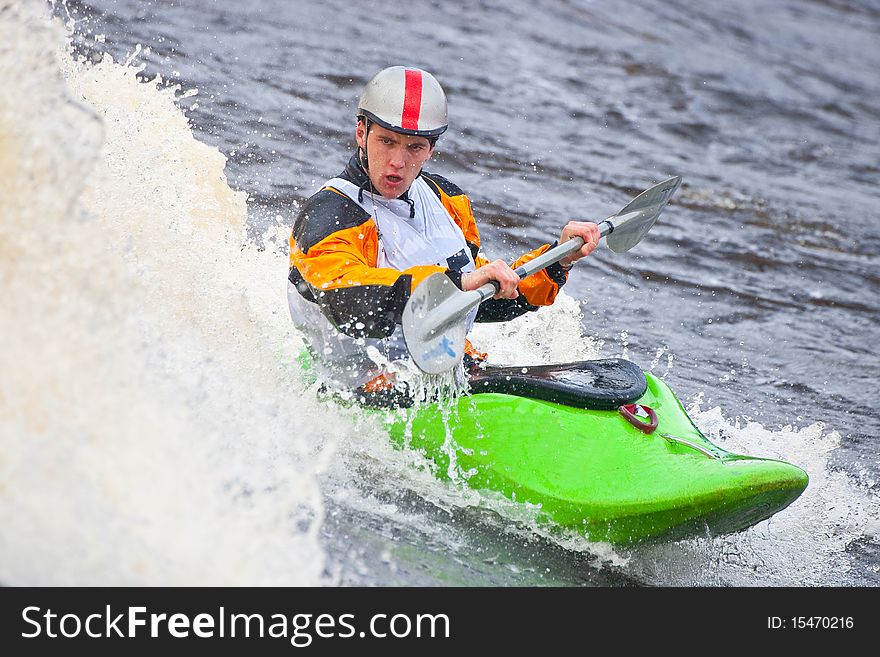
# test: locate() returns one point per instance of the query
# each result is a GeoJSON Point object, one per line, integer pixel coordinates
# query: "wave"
{"type": "Point", "coordinates": [145, 401]}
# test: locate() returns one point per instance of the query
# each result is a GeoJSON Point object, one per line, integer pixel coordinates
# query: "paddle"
{"type": "Point", "coordinates": [434, 318]}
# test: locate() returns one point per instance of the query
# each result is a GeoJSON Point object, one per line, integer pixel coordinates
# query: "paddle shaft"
{"type": "Point", "coordinates": [434, 319]}
{"type": "Point", "coordinates": [452, 310]}
{"type": "Point", "coordinates": [546, 259]}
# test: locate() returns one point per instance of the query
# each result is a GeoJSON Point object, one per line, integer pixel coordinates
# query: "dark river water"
{"type": "Point", "coordinates": [756, 296]}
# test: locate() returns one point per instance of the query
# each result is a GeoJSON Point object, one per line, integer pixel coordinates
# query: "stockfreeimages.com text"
{"type": "Point", "coordinates": [300, 629]}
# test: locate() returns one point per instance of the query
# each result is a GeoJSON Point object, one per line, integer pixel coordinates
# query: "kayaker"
{"type": "Point", "coordinates": [363, 242]}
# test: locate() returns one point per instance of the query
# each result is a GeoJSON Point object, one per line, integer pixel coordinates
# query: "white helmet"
{"type": "Point", "coordinates": [405, 100]}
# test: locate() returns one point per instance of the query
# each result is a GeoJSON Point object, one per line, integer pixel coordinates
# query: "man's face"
{"type": "Point", "coordinates": [395, 160]}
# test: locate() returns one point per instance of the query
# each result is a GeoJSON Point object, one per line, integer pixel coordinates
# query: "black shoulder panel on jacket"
{"type": "Point", "coordinates": [439, 181]}
{"type": "Point", "coordinates": [323, 214]}
{"type": "Point", "coordinates": [503, 310]}
{"type": "Point", "coordinates": [365, 311]}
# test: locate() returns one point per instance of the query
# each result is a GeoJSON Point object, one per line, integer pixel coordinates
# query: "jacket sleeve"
{"type": "Point", "coordinates": [333, 254]}
{"type": "Point", "coordinates": [539, 289]}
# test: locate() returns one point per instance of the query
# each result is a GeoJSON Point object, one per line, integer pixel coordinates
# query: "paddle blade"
{"type": "Point", "coordinates": [635, 220]}
{"type": "Point", "coordinates": [434, 350]}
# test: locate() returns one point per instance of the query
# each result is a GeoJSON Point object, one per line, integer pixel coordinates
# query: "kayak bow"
{"type": "Point", "coordinates": [558, 437]}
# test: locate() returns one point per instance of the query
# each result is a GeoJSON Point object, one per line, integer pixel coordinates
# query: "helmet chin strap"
{"type": "Point", "coordinates": [364, 159]}
{"type": "Point", "coordinates": [366, 165]}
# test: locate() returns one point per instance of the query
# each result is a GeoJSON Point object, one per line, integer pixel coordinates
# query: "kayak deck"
{"type": "Point", "coordinates": [593, 471]}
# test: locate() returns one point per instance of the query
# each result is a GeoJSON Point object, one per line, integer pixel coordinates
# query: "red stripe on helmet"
{"type": "Point", "coordinates": [412, 100]}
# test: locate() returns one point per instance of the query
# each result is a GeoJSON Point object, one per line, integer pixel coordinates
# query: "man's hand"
{"type": "Point", "coordinates": [584, 229]}
{"type": "Point", "coordinates": [494, 271]}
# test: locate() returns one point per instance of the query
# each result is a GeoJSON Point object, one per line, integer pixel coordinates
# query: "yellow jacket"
{"type": "Point", "coordinates": [333, 254]}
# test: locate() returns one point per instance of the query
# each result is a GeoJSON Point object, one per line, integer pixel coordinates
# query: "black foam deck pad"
{"type": "Point", "coordinates": [600, 385]}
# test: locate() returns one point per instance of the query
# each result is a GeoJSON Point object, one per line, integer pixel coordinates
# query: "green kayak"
{"type": "Point", "coordinates": [601, 447]}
